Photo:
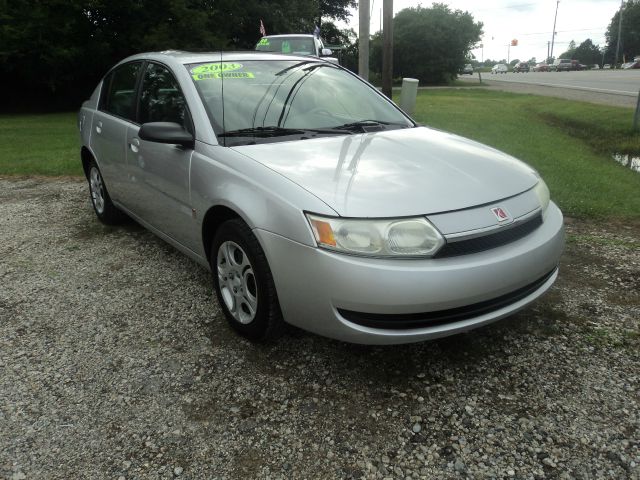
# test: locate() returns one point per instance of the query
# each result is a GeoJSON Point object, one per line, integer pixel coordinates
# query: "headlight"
{"type": "Point", "coordinates": [403, 237]}
{"type": "Point", "coordinates": [542, 191]}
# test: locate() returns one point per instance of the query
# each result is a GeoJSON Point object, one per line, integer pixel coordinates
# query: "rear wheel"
{"type": "Point", "coordinates": [243, 282]}
{"type": "Point", "coordinates": [105, 210]}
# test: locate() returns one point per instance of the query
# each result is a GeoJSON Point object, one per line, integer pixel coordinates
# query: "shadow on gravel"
{"type": "Point", "coordinates": [386, 364]}
{"type": "Point", "coordinates": [93, 229]}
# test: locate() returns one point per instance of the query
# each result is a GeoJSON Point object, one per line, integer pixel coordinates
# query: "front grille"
{"type": "Point", "coordinates": [441, 317]}
{"type": "Point", "coordinates": [492, 240]}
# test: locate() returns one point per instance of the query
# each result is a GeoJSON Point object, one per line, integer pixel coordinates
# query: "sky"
{"type": "Point", "coordinates": [528, 21]}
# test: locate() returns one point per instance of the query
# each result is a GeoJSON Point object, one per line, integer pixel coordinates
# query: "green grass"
{"type": "Point", "coordinates": [569, 143]}
{"type": "Point", "coordinates": [46, 144]}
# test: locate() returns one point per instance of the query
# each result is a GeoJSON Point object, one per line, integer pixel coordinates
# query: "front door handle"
{"type": "Point", "coordinates": [134, 144]}
{"type": "Point", "coordinates": [99, 127]}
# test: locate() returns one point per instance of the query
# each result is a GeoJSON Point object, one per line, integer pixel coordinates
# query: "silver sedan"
{"type": "Point", "coordinates": [314, 200]}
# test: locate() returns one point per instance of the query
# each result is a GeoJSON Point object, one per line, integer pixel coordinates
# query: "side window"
{"type": "Point", "coordinates": [161, 99]}
{"type": "Point", "coordinates": [120, 91]}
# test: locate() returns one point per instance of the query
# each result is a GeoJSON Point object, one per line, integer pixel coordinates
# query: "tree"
{"type": "Point", "coordinates": [588, 53]}
{"type": "Point", "coordinates": [630, 35]}
{"type": "Point", "coordinates": [345, 38]}
{"type": "Point", "coordinates": [570, 53]}
{"type": "Point", "coordinates": [430, 44]}
{"type": "Point", "coordinates": [337, 9]}
{"type": "Point", "coordinates": [513, 62]}
{"type": "Point", "coordinates": [55, 51]}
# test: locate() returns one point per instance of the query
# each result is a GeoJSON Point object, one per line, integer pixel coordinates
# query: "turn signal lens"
{"type": "Point", "coordinates": [323, 232]}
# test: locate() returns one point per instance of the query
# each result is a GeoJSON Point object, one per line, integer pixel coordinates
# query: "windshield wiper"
{"type": "Point", "coordinates": [295, 65]}
{"type": "Point", "coordinates": [262, 132]}
{"type": "Point", "coordinates": [363, 124]}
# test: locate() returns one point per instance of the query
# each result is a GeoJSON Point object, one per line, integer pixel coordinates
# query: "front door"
{"type": "Point", "coordinates": [159, 173]}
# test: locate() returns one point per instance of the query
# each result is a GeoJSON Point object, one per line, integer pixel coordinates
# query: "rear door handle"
{"type": "Point", "coordinates": [99, 127]}
{"type": "Point", "coordinates": [134, 144]}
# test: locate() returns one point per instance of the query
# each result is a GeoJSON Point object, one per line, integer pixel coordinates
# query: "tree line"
{"type": "Point", "coordinates": [54, 52]}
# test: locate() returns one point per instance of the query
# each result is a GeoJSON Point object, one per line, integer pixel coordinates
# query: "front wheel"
{"type": "Point", "coordinates": [243, 282]}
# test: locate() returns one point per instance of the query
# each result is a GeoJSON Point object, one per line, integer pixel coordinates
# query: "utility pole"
{"type": "Point", "coordinates": [387, 47]}
{"type": "Point", "coordinates": [615, 65]}
{"type": "Point", "coordinates": [547, 60]}
{"type": "Point", "coordinates": [553, 35]}
{"type": "Point", "coordinates": [363, 41]}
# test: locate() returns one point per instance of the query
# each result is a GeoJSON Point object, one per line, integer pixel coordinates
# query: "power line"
{"type": "Point", "coordinates": [599, 29]}
{"type": "Point", "coordinates": [505, 7]}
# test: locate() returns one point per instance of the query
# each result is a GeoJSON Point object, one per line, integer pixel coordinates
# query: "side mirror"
{"type": "Point", "coordinates": [326, 52]}
{"type": "Point", "coordinates": [166, 132]}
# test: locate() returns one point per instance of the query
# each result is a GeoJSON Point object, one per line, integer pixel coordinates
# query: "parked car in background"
{"type": "Point", "coordinates": [541, 67]}
{"type": "Point", "coordinates": [631, 65]}
{"type": "Point", "coordinates": [562, 65]}
{"type": "Point", "coordinates": [468, 69]}
{"type": "Point", "coordinates": [314, 200]}
{"type": "Point", "coordinates": [499, 68]}
{"type": "Point", "coordinates": [297, 44]}
{"type": "Point", "coordinates": [595, 67]}
{"type": "Point", "coordinates": [521, 67]}
{"type": "Point", "coordinates": [606, 66]}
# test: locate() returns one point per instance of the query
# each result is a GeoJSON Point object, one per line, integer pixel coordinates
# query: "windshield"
{"type": "Point", "coordinates": [262, 101]}
{"type": "Point", "coordinates": [294, 45]}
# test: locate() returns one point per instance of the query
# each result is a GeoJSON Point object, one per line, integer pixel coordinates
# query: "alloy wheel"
{"type": "Point", "coordinates": [237, 282]}
{"type": "Point", "coordinates": [97, 190]}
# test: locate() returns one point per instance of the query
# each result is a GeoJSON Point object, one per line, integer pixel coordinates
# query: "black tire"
{"type": "Point", "coordinates": [105, 210]}
{"type": "Point", "coordinates": [266, 323]}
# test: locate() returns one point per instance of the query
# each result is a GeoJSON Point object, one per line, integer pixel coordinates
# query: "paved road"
{"type": "Point", "coordinates": [616, 82]}
{"type": "Point", "coordinates": [614, 88]}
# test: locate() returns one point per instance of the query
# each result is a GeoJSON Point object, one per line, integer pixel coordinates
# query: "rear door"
{"type": "Point", "coordinates": [160, 172]}
{"type": "Point", "coordinates": [116, 113]}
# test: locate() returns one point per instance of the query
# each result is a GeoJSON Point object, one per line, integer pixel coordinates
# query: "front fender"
{"type": "Point", "coordinates": [263, 198]}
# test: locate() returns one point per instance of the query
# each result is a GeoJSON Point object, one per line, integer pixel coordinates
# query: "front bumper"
{"type": "Point", "coordinates": [314, 285]}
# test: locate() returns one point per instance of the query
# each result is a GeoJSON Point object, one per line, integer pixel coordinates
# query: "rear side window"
{"type": "Point", "coordinates": [161, 99]}
{"type": "Point", "coordinates": [120, 84]}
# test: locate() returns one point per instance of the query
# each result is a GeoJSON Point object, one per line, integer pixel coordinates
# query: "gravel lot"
{"type": "Point", "coordinates": [115, 362]}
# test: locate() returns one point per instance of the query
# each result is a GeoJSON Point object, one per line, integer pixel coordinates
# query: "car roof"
{"type": "Point", "coordinates": [306, 35]}
{"type": "Point", "coordinates": [181, 57]}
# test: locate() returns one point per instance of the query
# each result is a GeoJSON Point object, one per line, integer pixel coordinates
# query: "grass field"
{"type": "Point", "coordinates": [569, 143]}
{"type": "Point", "coordinates": [47, 144]}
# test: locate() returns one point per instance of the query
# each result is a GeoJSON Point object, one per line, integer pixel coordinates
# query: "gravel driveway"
{"type": "Point", "coordinates": [115, 362]}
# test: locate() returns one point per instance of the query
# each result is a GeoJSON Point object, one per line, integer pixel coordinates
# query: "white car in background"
{"type": "Point", "coordinates": [296, 44]}
{"type": "Point", "coordinates": [499, 68]}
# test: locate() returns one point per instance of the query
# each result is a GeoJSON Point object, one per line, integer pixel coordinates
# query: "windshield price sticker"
{"type": "Point", "coordinates": [219, 70]}
{"type": "Point", "coordinates": [264, 41]}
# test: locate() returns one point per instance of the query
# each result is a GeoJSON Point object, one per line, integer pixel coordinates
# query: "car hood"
{"type": "Point", "coordinates": [404, 172]}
